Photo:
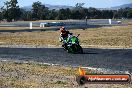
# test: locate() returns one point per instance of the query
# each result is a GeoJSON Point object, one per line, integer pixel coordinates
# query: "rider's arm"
{"type": "Point", "coordinates": [61, 38]}
{"type": "Point", "coordinates": [69, 33]}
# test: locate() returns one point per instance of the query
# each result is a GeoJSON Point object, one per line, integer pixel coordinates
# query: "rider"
{"type": "Point", "coordinates": [64, 36]}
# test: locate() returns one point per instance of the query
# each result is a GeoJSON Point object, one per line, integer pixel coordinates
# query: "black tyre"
{"type": "Point", "coordinates": [65, 47]}
{"type": "Point", "coordinates": [80, 49]}
{"type": "Point", "coordinates": [74, 48]}
{"type": "Point", "coordinates": [81, 80]}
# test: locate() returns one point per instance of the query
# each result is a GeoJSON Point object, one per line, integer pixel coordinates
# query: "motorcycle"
{"type": "Point", "coordinates": [71, 44]}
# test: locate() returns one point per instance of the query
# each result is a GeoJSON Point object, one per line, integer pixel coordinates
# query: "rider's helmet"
{"type": "Point", "coordinates": [62, 29]}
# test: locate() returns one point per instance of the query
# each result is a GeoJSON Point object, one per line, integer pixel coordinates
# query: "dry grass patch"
{"type": "Point", "coordinates": [37, 75]}
{"type": "Point", "coordinates": [30, 38]}
{"type": "Point", "coordinates": [107, 36]}
{"type": "Point", "coordinates": [34, 75]}
{"type": "Point", "coordinates": [115, 36]}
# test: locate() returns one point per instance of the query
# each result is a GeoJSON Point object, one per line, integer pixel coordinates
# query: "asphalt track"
{"type": "Point", "coordinates": [114, 59]}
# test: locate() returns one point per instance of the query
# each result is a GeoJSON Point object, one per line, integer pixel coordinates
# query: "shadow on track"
{"type": "Point", "coordinates": [89, 51]}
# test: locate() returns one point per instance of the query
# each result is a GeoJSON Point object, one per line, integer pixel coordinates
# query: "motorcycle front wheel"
{"type": "Point", "coordinates": [77, 49]}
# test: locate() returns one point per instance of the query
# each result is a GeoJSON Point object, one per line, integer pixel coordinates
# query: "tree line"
{"type": "Point", "coordinates": [12, 12]}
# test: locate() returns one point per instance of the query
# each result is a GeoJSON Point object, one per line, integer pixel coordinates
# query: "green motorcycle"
{"type": "Point", "coordinates": [72, 44]}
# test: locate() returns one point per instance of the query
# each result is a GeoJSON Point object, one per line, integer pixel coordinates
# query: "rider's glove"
{"type": "Point", "coordinates": [60, 39]}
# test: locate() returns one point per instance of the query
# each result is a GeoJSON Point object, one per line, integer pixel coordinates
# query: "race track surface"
{"type": "Point", "coordinates": [115, 59]}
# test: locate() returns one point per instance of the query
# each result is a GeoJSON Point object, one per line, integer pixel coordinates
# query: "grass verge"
{"type": "Point", "coordinates": [36, 75]}
{"type": "Point", "coordinates": [114, 36]}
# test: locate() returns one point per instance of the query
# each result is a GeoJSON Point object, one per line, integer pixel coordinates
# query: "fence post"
{"type": "Point", "coordinates": [31, 25]}
{"type": "Point", "coordinates": [109, 21]}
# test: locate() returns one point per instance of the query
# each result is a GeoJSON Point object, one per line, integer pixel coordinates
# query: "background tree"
{"type": "Point", "coordinates": [26, 15]}
{"type": "Point", "coordinates": [52, 15]}
{"type": "Point", "coordinates": [79, 5]}
{"type": "Point", "coordinates": [68, 13]}
{"type": "Point", "coordinates": [39, 11]}
{"type": "Point", "coordinates": [107, 14]}
{"type": "Point", "coordinates": [11, 10]}
{"type": "Point", "coordinates": [92, 12]}
{"type": "Point", "coordinates": [61, 14]}
{"type": "Point", "coordinates": [1, 16]}
{"type": "Point", "coordinates": [129, 14]}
